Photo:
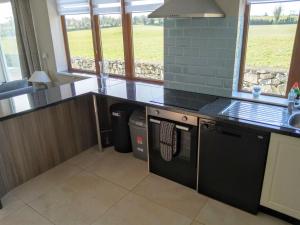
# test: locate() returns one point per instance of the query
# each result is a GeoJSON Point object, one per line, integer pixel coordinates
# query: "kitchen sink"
{"type": "Point", "coordinates": [294, 121]}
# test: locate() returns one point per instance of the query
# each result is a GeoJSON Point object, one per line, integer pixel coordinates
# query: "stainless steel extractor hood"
{"type": "Point", "coordinates": [188, 8]}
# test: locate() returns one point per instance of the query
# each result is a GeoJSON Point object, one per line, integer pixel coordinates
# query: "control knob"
{"type": "Point", "coordinates": [184, 118]}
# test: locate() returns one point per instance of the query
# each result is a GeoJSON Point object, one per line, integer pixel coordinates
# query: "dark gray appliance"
{"type": "Point", "coordinates": [232, 163]}
{"type": "Point", "coordinates": [183, 167]}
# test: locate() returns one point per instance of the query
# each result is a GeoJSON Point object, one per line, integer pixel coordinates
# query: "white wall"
{"type": "Point", "coordinates": [49, 36]}
{"type": "Point", "coordinates": [57, 36]}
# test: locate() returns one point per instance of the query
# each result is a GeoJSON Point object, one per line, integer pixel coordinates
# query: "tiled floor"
{"type": "Point", "coordinates": [115, 189]}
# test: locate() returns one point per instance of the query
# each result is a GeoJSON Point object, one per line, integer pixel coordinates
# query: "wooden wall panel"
{"type": "Point", "coordinates": [37, 141]}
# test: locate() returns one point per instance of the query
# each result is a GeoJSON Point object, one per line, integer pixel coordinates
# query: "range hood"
{"type": "Point", "coordinates": [188, 8]}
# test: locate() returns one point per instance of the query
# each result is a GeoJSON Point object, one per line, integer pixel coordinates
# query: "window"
{"type": "Point", "coordinates": [108, 15]}
{"type": "Point", "coordinates": [148, 46]}
{"type": "Point", "coordinates": [9, 56]}
{"type": "Point", "coordinates": [119, 34]}
{"type": "Point", "coordinates": [80, 42]}
{"type": "Point", "coordinates": [270, 48]}
{"type": "Point", "coordinates": [112, 44]}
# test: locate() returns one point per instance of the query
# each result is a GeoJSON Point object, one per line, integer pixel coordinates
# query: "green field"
{"type": "Point", "coordinates": [148, 43]}
{"type": "Point", "coordinates": [268, 45]}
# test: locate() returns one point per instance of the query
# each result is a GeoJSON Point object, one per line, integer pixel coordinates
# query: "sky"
{"type": "Point", "coordinates": [288, 8]}
{"type": "Point", "coordinates": [5, 12]}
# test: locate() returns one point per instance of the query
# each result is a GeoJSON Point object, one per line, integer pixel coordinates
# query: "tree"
{"type": "Point", "coordinates": [277, 13]}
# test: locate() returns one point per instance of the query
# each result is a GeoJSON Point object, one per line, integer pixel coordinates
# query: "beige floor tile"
{"type": "Point", "coordinates": [263, 219]}
{"type": "Point", "coordinates": [86, 158]}
{"type": "Point", "coordinates": [79, 201]}
{"type": "Point", "coordinates": [24, 216]}
{"type": "Point", "coordinates": [136, 210]}
{"type": "Point", "coordinates": [122, 169]}
{"type": "Point", "coordinates": [217, 213]}
{"type": "Point", "coordinates": [34, 188]}
{"type": "Point", "coordinates": [197, 223]}
{"type": "Point", "coordinates": [10, 205]}
{"type": "Point", "coordinates": [171, 195]}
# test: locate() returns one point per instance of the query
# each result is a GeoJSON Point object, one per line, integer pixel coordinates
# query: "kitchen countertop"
{"type": "Point", "coordinates": [212, 111]}
{"type": "Point", "coordinates": [205, 106]}
{"type": "Point", "coordinates": [25, 103]}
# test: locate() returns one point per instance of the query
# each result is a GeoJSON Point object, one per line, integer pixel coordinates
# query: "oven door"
{"type": "Point", "coordinates": [183, 167]}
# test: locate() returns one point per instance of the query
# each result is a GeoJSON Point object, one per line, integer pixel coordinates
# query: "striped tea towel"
{"type": "Point", "coordinates": [168, 140]}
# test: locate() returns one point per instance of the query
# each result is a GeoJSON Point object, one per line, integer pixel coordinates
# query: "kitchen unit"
{"type": "Point", "coordinates": [35, 142]}
{"type": "Point", "coordinates": [187, 121]}
{"type": "Point", "coordinates": [281, 190]}
{"type": "Point", "coordinates": [183, 167]}
{"type": "Point", "coordinates": [231, 163]}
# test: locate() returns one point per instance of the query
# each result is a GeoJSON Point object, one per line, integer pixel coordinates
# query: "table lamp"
{"type": "Point", "coordinates": [40, 78]}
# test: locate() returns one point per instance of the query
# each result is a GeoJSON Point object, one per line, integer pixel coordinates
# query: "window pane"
{"type": "Point", "coordinates": [80, 42]}
{"type": "Point", "coordinates": [271, 38]}
{"type": "Point", "coordinates": [9, 56]}
{"type": "Point", "coordinates": [148, 46]}
{"type": "Point", "coordinates": [112, 44]}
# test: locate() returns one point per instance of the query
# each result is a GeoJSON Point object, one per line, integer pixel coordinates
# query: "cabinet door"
{"type": "Point", "coordinates": [281, 189]}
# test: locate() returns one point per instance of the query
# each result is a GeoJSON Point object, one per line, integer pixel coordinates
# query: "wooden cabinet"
{"type": "Point", "coordinates": [281, 188]}
{"type": "Point", "coordinates": [34, 142]}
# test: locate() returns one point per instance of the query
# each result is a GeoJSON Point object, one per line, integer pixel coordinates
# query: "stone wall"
{"type": "Point", "coordinates": [142, 70]}
{"type": "Point", "coordinates": [272, 81]}
{"type": "Point", "coordinates": [81, 63]}
{"type": "Point", "coordinates": [149, 71]}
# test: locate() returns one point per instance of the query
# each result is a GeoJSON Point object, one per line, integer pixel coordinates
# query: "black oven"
{"type": "Point", "coordinates": [183, 167]}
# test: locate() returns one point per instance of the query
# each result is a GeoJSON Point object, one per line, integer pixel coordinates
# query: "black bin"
{"type": "Point", "coordinates": [120, 114]}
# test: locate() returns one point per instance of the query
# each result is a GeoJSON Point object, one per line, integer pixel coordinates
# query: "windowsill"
{"type": "Point", "coordinates": [261, 99]}
{"type": "Point", "coordinates": [75, 74]}
{"type": "Point", "coordinates": [88, 75]}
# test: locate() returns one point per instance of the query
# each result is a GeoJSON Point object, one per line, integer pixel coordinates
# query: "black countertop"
{"type": "Point", "coordinates": [212, 111]}
{"type": "Point", "coordinates": [205, 106]}
{"type": "Point", "coordinates": [25, 103]}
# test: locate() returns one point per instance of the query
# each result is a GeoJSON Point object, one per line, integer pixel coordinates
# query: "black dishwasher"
{"type": "Point", "coordinates": [232, 163]}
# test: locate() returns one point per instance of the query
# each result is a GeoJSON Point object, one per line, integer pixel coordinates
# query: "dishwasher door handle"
{"type": "Point", "coordinates": [179, 127]}
{"type": "Point", "coordinates": [228, 133]}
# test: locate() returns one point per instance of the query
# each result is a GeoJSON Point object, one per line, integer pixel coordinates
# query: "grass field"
{"type": "Point", "coordinates": [148, 43]}
{"type": "Point", "coordinates": [268, 45]}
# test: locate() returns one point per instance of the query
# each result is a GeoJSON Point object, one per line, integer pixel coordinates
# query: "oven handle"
{"type": "Point", "coordinates": [179, 127]}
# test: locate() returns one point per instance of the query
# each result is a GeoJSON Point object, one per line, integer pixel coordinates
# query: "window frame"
{"type": "Point", "coordinates": [294, 67]}
{"type": "Point", "coordinates": [67, 49]}
{"type": "Point", "coordinates": [97, 45]}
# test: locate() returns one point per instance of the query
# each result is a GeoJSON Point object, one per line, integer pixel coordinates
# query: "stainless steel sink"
{"type": "Point", "coordinates": [294, 121]}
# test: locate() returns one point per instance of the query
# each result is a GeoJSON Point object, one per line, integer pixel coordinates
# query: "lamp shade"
{"type": "Point", "coordinates": [39, 77]}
